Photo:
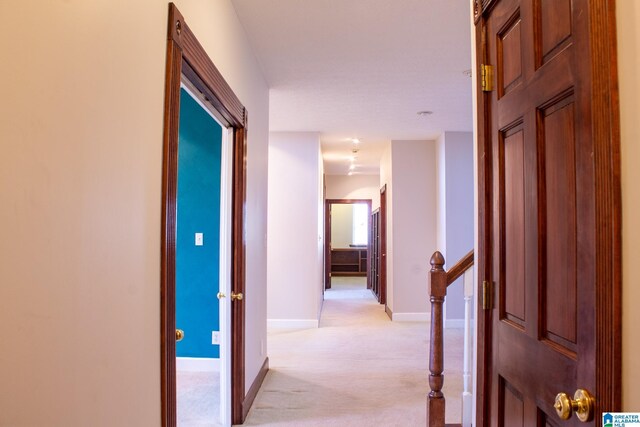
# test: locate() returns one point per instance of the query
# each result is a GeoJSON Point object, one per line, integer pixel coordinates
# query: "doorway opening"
{"type": "Point", "coordinates": [348, 248]}
{"type": "Point", "coordinates": [202, 263]}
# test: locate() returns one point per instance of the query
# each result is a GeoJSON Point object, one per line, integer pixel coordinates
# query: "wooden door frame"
{"type": "Point", "coordinates": [185, 56]}
{"type": "Point", "coordinates": [382, 268]}
{"type": "Point", "coordinates": [605, 125]}
{"type": "Point", "coordinates": [327, 234]}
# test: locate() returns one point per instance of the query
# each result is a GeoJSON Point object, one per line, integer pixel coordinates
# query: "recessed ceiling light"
{"type": "Point", "coordinates": [425, 113]}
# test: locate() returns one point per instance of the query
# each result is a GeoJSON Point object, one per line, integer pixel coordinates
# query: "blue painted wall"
{"type": "Point", "coordinates": [197, 267]}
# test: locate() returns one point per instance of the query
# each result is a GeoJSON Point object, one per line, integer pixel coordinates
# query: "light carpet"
{"type": "Point", "coordinates": [198, 399]}
{"type": "Point", "coordinates": [357, 369]}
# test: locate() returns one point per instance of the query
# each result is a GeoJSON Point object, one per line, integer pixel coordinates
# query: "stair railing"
{"type": "Point", "coordinates": [438, 283]}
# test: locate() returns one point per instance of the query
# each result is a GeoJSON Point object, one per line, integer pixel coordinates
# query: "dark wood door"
{"type": "Point", "coordinates": [374, 238]}
{"type": "Point", "coordinates": [542, 222]}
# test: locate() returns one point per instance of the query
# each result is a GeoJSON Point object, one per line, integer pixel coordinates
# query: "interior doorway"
{"type": "Point", "coordinates": [347, 242]}
{"type": "Point", "coordinates": [189, 66]}
{"type": "Point", "coordinates": [202, 264]}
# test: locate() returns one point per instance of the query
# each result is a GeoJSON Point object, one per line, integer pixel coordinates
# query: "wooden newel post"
{"type": "Point", "coordinates": [437, 292]}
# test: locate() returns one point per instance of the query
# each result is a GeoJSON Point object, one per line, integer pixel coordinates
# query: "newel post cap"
{"type": "Point", "coordinates": [437, 261]}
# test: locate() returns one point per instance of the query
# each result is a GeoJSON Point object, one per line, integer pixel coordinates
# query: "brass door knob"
{"type": "Point", "coordinates": [236, 296]}
{"type": "Point", "coordinates": [582, 404]}
{"type": "Point", "coordinates": [179, 334]}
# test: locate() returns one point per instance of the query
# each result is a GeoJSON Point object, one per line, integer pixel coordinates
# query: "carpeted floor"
{"type": "Point", "coordinates": [357, 369]}
{"type": "Point", "coordinates": [198, 399]}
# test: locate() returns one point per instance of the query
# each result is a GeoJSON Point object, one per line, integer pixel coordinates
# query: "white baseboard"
{"type": "Point", "coordinates": [197, 364]}
{"type": "Point", "coordinates": [411, 317]}
{"type": "Point", "coordinates": [292, 323]}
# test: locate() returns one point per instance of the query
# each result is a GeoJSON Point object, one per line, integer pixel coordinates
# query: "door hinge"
{"type": "Point", "coordinates": [486, 76]}
{"type": "Point", "coordinates": [487, 295]}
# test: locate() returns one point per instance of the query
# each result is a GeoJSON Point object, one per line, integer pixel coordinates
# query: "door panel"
{"type": "Point", "coordinates": [553, 27]}
{"type": "Point", "coordinates": [558, 168]}
{"type": "Point", "coordinates": [511, 405]}
{"type": "Point", "coordinates": [514, 291]}
{"type": "Point", "coordinates": [510, 54]}
{"type": "Point", "coordinates": [540, 152]}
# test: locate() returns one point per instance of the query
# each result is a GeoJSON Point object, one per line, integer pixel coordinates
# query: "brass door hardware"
{"type": "Point", "coordinates": [582, 404]}
{"type": "Point", "coordinates": [487, 295]}
{"type": "Point", "coordinates": [486, 76]}
{"type": "Point", "coordinates": [236, 296]}
{"type": "Point", "coordinates": [179, 334]}
{"type": "Point", "coordinates": [221, 295]}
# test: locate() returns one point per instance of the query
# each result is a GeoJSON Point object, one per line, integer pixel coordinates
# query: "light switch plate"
{"type": "Point", "coordinates": [199, 239]}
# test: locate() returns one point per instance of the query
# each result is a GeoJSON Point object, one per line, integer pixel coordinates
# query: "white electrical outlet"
{"type": "Point", "coordinates": [199, 239]}
{"type": "Point", "coordinates": [215, 337]}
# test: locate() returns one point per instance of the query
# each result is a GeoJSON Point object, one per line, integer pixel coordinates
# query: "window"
{"type": "Point", "coordinates": [360, 222]}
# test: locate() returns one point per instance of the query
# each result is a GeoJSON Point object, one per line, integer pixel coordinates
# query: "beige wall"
{"type": "Point", "coordinates": [405, 167]}
{"type": "Point", "coordinates": [414, 225]}
{"type": "Point", "coordinates": [82, 92]}
{"type": "Point", "coordinates": [628, 17]}
{"type": "Point", "coordinates": [354, 187]}
{"type": "Point", "coordinates": [294, 253]}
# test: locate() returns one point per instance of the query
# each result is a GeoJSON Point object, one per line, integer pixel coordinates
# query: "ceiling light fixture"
{"type": "Point", "coordinates": [425, 113]}
{"type": "Point", "coordinates": [355, 140]}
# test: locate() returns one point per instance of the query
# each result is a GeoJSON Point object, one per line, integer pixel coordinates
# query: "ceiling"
{"type": "Point", "coordinates": [363, 69]}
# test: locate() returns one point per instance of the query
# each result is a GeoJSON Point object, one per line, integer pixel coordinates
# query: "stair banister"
{"type": "Point", "coordinates": [439, 280]}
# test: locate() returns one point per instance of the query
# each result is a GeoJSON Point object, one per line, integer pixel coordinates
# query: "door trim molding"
{"type": "Point", "coordinates": [185, 56]}
{"type": "Point", "coordinates": [605, 126]}
{"type": "Point", "coordinates": [383, 247]}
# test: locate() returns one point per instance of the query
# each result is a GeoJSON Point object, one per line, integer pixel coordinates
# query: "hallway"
{"type": "Point", "coordinates": [357, 369]}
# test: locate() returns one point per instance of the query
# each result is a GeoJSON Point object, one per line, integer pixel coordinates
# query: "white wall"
{"type": "Point", "coordinates": [454, 151]}
{"type": "Point", "coordinates": [354, 187]}
{"type": "Point", "coordinates": [80, 179]}
{"type": "Point", "coordinates": [441, 209]}
{"type": "Point", "coordinates": [628, 18]}
{"type": "Point", "coordinates": [414, 225]}
{"type": "Point", "coordinates": [295, 226]}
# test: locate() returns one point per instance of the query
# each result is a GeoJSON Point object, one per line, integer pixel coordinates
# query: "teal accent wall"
{"type": "Point", "coordinates": [197, 267]}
